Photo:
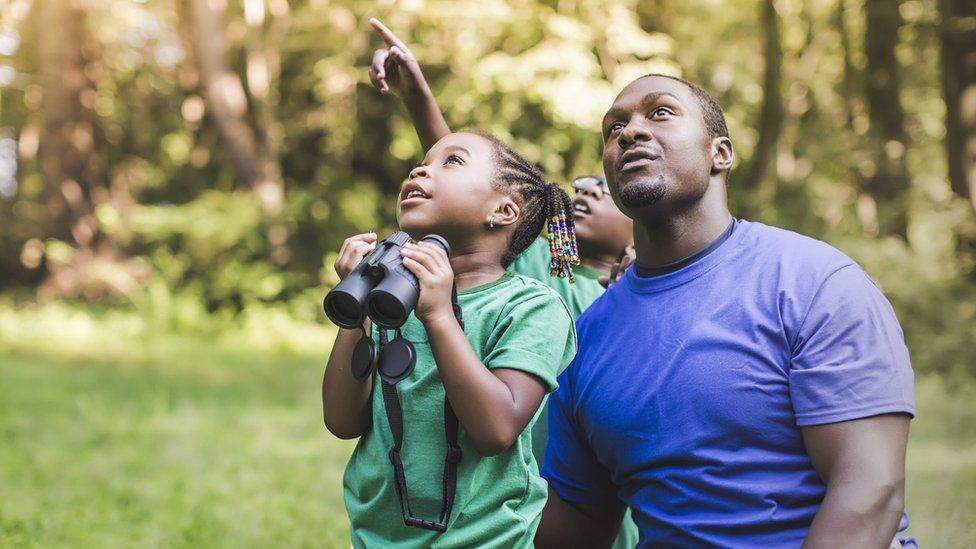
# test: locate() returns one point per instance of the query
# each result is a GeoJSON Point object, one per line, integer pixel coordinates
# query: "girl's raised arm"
{"type": "Point", "coordinates": [395, 69]}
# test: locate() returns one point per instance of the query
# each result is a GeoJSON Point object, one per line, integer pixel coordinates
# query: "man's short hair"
{"type": "Point", "coordinates": [711, 110]}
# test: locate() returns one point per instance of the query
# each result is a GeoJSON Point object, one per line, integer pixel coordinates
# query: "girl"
{"type": "Point", "coordinates": [408, 482]}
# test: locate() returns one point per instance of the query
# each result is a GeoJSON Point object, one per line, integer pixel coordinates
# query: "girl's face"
{"type": "Point", "coordinates": [450, 192]}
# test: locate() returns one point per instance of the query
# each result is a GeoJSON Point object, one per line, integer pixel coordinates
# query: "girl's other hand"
{"type": "Point", "coordinates": [619, 267]}
{"type": "Point", "coordinates": [429, 263]}
{"type": "Point", "coordinates": [352, 252]}
{"type": "Point", "coordinates": [394, 67]}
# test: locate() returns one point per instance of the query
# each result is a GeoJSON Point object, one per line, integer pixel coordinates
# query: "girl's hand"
{"type": "Point", "coordinates": [352, 252]}
{"type": "Point", "coordinates": [617, 271]}
{"type": "Point", "coordinates": [429, 263]}
{"type": "Point", "coordinates": [394, 67]}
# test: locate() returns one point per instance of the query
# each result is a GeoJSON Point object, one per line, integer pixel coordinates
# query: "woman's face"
{"type": "Point", "coordinates": [450, 193]}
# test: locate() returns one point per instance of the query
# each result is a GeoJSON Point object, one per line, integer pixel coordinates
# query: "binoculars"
{"type": "Point", "coordinates": [379, 287]}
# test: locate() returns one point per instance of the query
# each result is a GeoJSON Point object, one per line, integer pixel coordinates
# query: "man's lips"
{"type": "Point", "coordinates": [635, 159]}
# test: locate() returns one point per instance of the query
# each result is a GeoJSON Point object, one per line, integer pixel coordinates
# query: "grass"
{"type": "Point", "coordinates": [187, 443]}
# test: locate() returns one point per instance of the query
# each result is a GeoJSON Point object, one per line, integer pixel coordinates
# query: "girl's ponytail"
{"type": "Point", "coordinates": [563, 251]}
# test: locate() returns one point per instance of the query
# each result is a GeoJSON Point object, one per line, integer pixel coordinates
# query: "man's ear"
{"type": "Point", "coordinates": [506, 213]}
{"type": "Point", "coordinates": [723, 155]}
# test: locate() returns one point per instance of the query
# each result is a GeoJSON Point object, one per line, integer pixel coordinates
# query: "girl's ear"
{"type": "Point", "coordinates": [506, 213]}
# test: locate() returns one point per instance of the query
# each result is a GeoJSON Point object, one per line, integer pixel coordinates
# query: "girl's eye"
{"type": "Point", "coordinates": [453, 158]}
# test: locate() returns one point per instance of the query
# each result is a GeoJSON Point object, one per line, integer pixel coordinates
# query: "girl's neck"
{"type": "Point", "coordinates": [473, 267]}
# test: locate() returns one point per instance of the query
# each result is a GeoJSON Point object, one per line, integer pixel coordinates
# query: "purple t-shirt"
{"type": "Point", "coordinates": [687, 395]}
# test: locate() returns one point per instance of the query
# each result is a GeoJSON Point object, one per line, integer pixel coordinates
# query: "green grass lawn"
{"type": "Point", "coordinates": [190, 444]}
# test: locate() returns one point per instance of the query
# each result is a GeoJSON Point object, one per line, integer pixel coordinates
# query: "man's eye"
{"type": "Point", "coordinates": [616, 126]}
{"type": "Point", "coordinates": [660, 111]}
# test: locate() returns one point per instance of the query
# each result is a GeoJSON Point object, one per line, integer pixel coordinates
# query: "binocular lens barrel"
{"type": "Point", "coordinates": [379, 286]}
{"type": "Point", "coordinates": [391, 301]}
{"type": "Point", "coordinates": [343, 308]}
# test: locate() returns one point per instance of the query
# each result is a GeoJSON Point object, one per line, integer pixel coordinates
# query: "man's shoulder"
{"type": "Point", "coordinates": [791, 253]}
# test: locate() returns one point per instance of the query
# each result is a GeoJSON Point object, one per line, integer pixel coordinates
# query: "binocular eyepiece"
{"type": "Point", "coordinates": [379, 287]}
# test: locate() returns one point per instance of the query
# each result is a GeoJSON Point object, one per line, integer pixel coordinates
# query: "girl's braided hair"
{"type": "Point", "coordinates": [543, 204]}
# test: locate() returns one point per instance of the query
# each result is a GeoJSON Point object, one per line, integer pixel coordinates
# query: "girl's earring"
{"type": "Point", "coordinates": [491, 221]}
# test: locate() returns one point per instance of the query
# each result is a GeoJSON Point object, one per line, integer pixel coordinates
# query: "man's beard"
{"type": "Point", "coordinates": [640, 194]}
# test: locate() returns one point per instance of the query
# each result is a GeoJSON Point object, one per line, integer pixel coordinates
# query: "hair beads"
{"type": "Point", "coordinates": [563, 252]}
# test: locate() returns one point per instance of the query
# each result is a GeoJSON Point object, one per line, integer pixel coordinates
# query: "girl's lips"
{"type": "Point", "coordinates": [413, 200]}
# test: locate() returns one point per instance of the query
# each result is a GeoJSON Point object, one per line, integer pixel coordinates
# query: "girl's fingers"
{"type": "Point", "coordinates": [437, 254]}
{"type": "Point", "coordinates": [387, 34]}
{"type": "Point", "coordinates": [418, 269]}
{"type": "Point", "coordinates": [424, 259]}
{"type": "Point", "coordinates": [377, 71]}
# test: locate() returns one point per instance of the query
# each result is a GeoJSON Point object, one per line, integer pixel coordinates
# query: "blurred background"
{"type": "Point", "coordinates": [176, 177]}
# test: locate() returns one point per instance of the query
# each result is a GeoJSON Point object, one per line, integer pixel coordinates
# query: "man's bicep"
{"type": "Point", "coordinates": [568, 524]}
{"type": "Point", "coordinates": [867, 450]}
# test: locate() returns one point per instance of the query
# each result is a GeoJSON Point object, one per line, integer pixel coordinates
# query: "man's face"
{"type": "Point", "coordinates": [601, 228]}
{"type": "Point", "coordinates": [656, 150]}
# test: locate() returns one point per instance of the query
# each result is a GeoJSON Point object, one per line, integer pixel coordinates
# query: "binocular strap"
{"type": "Point", "coordinates": [394, 414]}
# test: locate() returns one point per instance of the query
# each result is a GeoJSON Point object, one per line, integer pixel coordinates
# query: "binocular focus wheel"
{"type": "Point", "coordinates": [397, 360]}
{"type": "Point", "coordinates": [363, 356]}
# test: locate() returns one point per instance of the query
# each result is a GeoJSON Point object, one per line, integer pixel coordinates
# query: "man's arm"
{"type": "Point", "coordinates": [395, 69]}
{"type": "Point", "coordinates": [566, 524]}
{"type": "Point", "coordinates": [862, 462]}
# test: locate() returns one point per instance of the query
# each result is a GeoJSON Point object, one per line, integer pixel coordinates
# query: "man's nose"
{"type": "Point", "coordinates": [634, 132]}
{"type": "Point", "coordinates": [419, 171]}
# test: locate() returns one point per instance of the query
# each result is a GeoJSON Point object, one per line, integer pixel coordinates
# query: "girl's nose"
{"type": "Point", "coordinates": [419, 171]}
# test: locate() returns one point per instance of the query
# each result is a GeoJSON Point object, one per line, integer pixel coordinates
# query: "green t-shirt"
{"type": "Point", "coordinates": [534, 263]}
{"type": "Point", "coordinates": [514, 322]}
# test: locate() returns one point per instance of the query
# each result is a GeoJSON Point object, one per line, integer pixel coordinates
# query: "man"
{"type": "Point", "coordinates": [740, 385]}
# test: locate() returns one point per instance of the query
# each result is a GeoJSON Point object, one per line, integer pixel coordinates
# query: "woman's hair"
{"type": "Point", "coordinates": [543, 204]}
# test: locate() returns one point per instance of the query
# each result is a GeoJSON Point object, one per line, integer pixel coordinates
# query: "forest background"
{"type": "Point", "coordinates": [176, 178]}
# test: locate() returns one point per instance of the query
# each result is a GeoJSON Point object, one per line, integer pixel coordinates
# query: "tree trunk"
{"type": "Point", "coordinates": [889, 183]}
{"type": "Point", "coordinates": [252, 148]}
{"type": "Point", "coordinates": [252, 161]}
{"type": "Point", "coordinates": [771, 112]}
{"type": "Point", "coordinates": [67, 133]}
{"type": "Point", "coordinates": [848, 82]}
{"type": "Point", "coordinates": [958, 32]}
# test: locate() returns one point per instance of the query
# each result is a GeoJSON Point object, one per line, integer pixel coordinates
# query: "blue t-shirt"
{"type": "Point", "coordinates": [687, 395]}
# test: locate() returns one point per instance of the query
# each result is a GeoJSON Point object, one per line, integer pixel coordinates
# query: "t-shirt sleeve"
{"type": "Point", "coordinates": [536, 336]}
{"type": "Point", "coordinates": [571, 467]}
{"type": "Point", "coordinates": [849, 358]}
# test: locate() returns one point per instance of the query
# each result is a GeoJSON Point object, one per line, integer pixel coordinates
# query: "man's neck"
{"type": "Point", "coordinates": [662, 239]}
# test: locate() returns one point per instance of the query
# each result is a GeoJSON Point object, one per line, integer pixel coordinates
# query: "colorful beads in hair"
{"type": "Point", "coordinates": [561, 233]}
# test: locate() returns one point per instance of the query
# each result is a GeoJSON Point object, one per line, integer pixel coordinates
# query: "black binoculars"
{"type": "Point", "coordinates": [379, 287]}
